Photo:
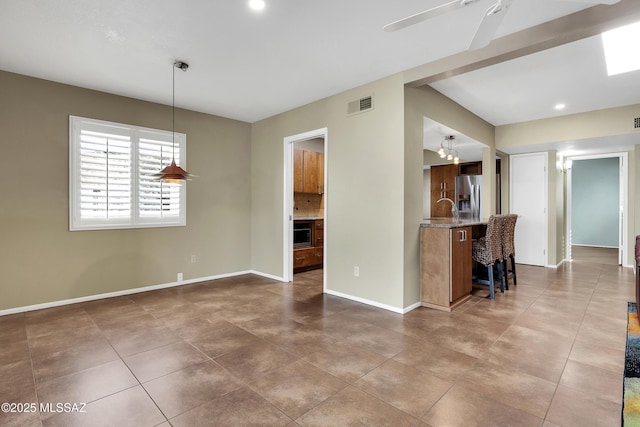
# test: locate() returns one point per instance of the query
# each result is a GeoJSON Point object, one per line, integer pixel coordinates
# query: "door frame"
{"type": "Point", "coordinates": [287, 256]}
{"type": "Point", "coordinates": [623, 173]}
{"type": "Point", "coordinates": [545, 156]}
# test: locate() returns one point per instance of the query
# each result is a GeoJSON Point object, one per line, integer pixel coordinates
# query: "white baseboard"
{"type": "Point", "coordinates": [121, 293]}
{"type": "Point", "coordinates": [191, 281]}
{"type": "Point", "coordinates": [412, 307]}
{"type": "Point", "coordinates": [557, 265]}
{"type": "Point", "coordinates": [365, 301]}
{"type": "Point", "coordinates": [267, 275]}
{"type": "Point", "coordinates": [595, 246]}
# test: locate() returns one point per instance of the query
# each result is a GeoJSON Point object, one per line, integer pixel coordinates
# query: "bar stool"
{"type": "Point", "coordinates": [487, 251]}
{"type": "Point", "coordinates": [509, 249]}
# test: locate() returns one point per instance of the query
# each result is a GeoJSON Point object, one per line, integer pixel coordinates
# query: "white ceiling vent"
{"type": "Point", "coordinates": [636, 123]}
{"type": "Point", "coordinates": [360, 105]}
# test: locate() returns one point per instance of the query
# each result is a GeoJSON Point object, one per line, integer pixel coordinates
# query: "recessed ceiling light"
{"type": "Point", "coordinates": [560, 107]}
{"type": "Point", "coordinates": [621, 49]}
{"type": "Point", "coordinates": [256, 4]}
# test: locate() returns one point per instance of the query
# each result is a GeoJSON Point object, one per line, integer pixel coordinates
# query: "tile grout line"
{"type": "Point", "coordinates": [575, 338]}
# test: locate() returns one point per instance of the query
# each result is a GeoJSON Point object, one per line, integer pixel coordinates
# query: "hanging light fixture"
{"type": "Point", "coordinates": [446, 149]}
{"type": "Point", "coordinates": [174, 174]}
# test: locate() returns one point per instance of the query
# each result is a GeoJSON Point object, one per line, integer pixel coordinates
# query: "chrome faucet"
{"type": "Point", "coordinates": [454, 208]}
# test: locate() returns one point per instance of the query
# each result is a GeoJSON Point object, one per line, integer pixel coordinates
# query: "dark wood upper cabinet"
{"type": "Point", "coordinates": [443, 184]}
{"type": "Point", "coordinates": [475, 168]}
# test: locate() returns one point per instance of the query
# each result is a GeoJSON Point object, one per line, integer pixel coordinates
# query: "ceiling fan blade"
{"type": "Point", "coordinates": [489, 24]}
{"type": "Point", "coordinates": [427, 14]}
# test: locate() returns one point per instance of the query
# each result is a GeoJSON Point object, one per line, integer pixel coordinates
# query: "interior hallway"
{"type": "Point", "coordinates": [252, 350]}
{"type": "Point", "coordinates": [595, 255]}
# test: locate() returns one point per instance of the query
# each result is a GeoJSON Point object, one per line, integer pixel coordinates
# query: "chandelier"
{"type": "Point", "coordinates": [447, 150]}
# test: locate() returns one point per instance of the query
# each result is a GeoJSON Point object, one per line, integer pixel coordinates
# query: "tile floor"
{"type": "Point", "coordinates": [252, 351]}
{"type": "Point", "coordinates": [595, 254]}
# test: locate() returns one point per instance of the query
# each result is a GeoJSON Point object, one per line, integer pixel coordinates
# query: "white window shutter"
{"type": "Point", "coordinates": [105, 175]}
{"type": "Point", "coordinates": [155, 198]}
{"type": "Point", "coordinates": [110, 176]}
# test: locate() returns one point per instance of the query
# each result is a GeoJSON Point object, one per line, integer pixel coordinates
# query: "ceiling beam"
{"type": "Point", "coordinates": [576, 26]}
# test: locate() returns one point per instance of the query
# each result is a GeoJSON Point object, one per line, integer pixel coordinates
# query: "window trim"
{"type": "Point", "coordinates": [135, 220]}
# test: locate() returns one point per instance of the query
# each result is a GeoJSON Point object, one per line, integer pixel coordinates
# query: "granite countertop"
{"type": "Point", "coordinates": [451, 223]}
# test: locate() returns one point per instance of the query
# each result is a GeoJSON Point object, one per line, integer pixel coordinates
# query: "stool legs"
{"type": "Point", "coordinates": [491, 284]}
{"type": "Point", "coordinates": [505, 268]}
{"type": "Point", "coordinates": [492, 280]}
{"type": "Point", "coordinates": [508, 271]}
{"type": "Point", "coordinates": [501, 275]}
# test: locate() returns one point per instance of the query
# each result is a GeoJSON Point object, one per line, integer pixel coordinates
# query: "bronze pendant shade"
{"type": "Point", "coordinates": [174, 174]}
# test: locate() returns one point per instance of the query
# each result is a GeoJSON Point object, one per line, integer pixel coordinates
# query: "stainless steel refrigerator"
{"type": "Point", "coordinates": [468, 193]}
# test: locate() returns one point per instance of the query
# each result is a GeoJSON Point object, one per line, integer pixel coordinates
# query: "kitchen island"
{"type": "Point", "coordinates": [445, 261]}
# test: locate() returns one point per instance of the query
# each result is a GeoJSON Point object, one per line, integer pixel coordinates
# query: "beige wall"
{"type": "Point", "coordinates": [488, 196]}
{"type": "Point", "coordinates": [364, 206]}
{"type": "Point", "coordinates": [419, 103]}
{"type": "Point", "coordinates": [427, 102]}
{"type": "Point", "coordinates": [555, 201]}
{"type": "Point", "coordinates": [505, 169]}
{"type": "Point", "coordinates": [634, 203]}
{"type": "Point", "coordinates": [235, 206]}
{"type": "Point", "coordinates": [536, 135]}
{"type": "Point", "coordinates": [42, 261]}
{"type": "Point", "coordinates": [574, 127]}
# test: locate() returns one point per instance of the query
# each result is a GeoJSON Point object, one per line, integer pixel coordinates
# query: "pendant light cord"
{"type": "Point", "coordinates": [173, 116]}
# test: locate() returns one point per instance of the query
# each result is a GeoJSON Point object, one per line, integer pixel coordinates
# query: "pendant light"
{"type": "Point", "coordinates": [447, 150]}
{"type": "Point", "coordinates": [174, 174]}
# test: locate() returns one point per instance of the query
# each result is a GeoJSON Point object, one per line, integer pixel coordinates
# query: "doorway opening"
{"type": "Point", "coordinates": [597, 208]}
{"type": "Point", "coordinates": [305, 198]}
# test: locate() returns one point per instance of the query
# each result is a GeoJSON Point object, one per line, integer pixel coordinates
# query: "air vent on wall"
{"type": "Point", "coordinates": [636, 123]}
{"type": "Point", "coordinates": [360, 105]}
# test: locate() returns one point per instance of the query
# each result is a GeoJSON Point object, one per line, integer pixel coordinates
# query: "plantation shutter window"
{"type": "Point", "coordinates": [105, 175]}
{"type": "Point", "coordinates": [111, 182]}
{"type": "Point", "coordinates": [155, 198]}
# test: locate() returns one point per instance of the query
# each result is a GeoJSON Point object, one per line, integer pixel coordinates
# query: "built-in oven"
{"type": "Point", "coordinates": [302, 233]}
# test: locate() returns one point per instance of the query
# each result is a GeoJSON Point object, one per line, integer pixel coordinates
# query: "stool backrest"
{"type": "Point", "coordinates": [493, 237]}
{"type": "Point", "coordinates": [508, 244]}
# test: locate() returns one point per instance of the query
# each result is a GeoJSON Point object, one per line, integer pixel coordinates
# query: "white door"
{"type": "Point", "coordinates": [528, 188]}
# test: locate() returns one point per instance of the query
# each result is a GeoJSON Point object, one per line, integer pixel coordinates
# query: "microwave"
{"type": "Point", "coordinates": [302, 234]}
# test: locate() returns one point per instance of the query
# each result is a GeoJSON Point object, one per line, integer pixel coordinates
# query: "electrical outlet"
{"type": "Point", "coordinates": [179, 277]}
{"type": "Point", "coordinates": [193, 259]}
{"type": "Point", "coordinates": [356, 271]}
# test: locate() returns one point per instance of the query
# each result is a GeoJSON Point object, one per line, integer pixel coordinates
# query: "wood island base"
{"type": "Point", "coordinates": [448, 308]}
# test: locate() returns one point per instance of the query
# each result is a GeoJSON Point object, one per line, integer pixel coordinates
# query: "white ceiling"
{"type": "Point", "coordinates": [529, 87]}
{"type": "Point", "coordinates": [468, 148]}
{"type": "Point", "coordinates": [248, 66]}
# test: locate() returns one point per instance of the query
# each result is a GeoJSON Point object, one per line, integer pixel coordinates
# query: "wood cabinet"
{"type": "Point", "coordinates": [318, 234]}
{"type": "Point", "coordinates": [312, 256]}
{"type": "Point", "coordinates": [308, 171]}
{"type": "Point", "coordinates": [298, 171]}
{"type": "Point", "coordinates": [471, 168]}
{"type": "Point", "coordinates": [443, 184]}
{"type": "Point", "coordinates": [445, 266]}
{"type": "Point", "coordinates": [475, 168]}
{"type": "Point", "coordinates": [303, 257]}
